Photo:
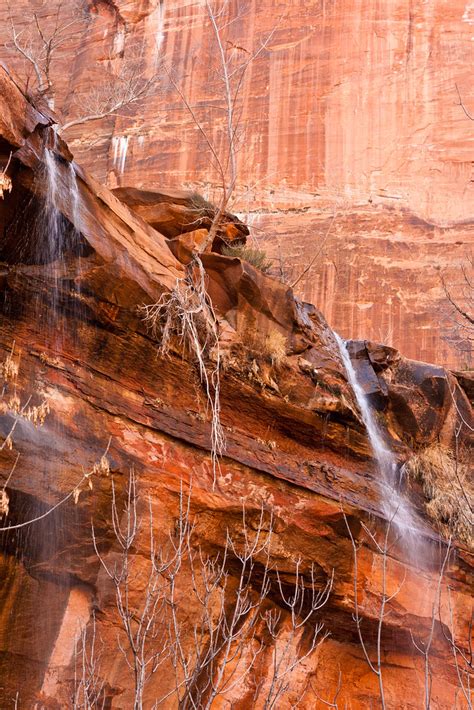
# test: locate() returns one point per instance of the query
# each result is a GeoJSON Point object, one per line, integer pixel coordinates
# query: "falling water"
{"type": "Point", "coordinates": [395, 507]}
{"type": "Point", "coordinates": [160, 33]}
{"type": "Point", "coordinates": [75, 198]}
{"type": "Point", "coordinates": [58, 237]}
{"type": "Point", "coordinates": [120, 148]}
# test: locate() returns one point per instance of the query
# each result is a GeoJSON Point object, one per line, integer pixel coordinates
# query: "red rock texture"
{"type": "Point", "coordinates": [353, 107]}
{"type": "Point", "coordinates": [295, 444]}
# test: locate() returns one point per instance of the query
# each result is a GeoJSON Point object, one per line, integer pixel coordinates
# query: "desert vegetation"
{"type": "Point", "coordinates": [445, 478]}
{"type": "Point", "coordinates": [241, 623]}
{"type": "Point", "coordinates": [55, 31]}
{"type": "Point", "coordinates": [255, 257]}
{"type": "Point", "coordinates": [249, 554]}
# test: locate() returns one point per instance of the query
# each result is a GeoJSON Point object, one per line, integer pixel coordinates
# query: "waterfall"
{"type": "Point", "coordinates": [395, 507]}
{"type": "Point", "coordinates": [53, 219]}
{"type": "Point", "coordinates": [120, 150]}
{"type": "Point", "coordinates": [160, 29]}
{"type": "Point", "coordinates": [58, 241]}
{"type": "Point", "coordinates": [75, 198]}
{"type": "Point", "coordinates": [58, 237]}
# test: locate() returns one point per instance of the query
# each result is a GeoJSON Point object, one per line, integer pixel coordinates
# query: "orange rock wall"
{"type": "Point", "coordinates": [73, 345]}
{"type": "Point", "coordinates": [351, 106]}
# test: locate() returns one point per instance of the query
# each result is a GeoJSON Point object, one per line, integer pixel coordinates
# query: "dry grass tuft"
{"type": "Point", "coordinates": [447, 488]}
{"type": "Point", "coordinates": [4, 503]}
{"type": "Point", "coordinates": [255, 257]}
{"type": "Point", "coordinates": [275, 347]}
{"type": "Point", "coordinates": [9, 368]}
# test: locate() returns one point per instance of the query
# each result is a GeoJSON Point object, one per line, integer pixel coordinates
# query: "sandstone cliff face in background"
{"type": "Point", "coordinates": [72, 338]}
{"type": "Point", "coordinates": [351, 110]}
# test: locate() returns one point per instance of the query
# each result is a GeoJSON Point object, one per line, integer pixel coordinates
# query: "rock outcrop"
{"type": "Point", "coordinates": [354, 109]}
{"type": "Point", "coordinates": [87, 398]}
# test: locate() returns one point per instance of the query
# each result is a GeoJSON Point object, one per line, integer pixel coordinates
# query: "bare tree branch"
{"type": "Point", "coordinates": [461, 104]}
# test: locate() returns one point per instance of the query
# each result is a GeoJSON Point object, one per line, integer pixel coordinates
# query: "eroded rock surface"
{"type": "Point", "coordinates": [375, 131]}
{"type": "Point", "coordinates": [295, 444]}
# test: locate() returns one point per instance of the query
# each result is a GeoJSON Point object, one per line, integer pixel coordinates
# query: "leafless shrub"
{"type": "Point", "coordinates": [423, 646]}
{"type": "Point", "coordinates": [255, 257]}
{"type": "Point", "coordinates": [141, 619]}
{"type": "Point", "coordinates": [123, 82]}
{"type": "Point", "coordinates": [89, 687]}
{"type": "Point", "coordinates": [187, 314]}
{"type": "Point", "coordinates": [113, 93]}
{"type": "Point", "coordinates": [448, 490]}
{"type": "Point", "coordinates": [458, 289]}
{"type": "Point", "coordinates": [39, 45]}
{"type": "Point", "coordinates": [329, 703]}
{"type": "Point", "coordinates": [234, 622]}
{"type": "Point", "coordinates": [383, 549]}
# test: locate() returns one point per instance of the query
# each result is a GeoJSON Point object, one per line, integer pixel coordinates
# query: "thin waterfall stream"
{"type": "Point", "coordinates": [58, 239]}
{"type": "Point", "coordinates": [395, 507]}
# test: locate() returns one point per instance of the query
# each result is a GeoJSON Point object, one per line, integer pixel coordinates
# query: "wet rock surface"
{"type": "Point", "coordinates": [385, 172]}
{"type": "Point", "coordinates": [295, 444]}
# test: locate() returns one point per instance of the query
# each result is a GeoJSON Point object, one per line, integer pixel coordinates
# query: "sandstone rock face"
{"type": "Point", "coordinates": [353, 109]}
{"type": "Point", "coordinates": [86, 398]}
{"type": "Point", "coordinates": [357, 109]}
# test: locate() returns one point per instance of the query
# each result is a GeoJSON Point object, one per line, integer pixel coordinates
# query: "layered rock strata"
{"type": "Point", "coordinates": [295, 447]}
{"type": "Point", "coordinates": [354, 109]}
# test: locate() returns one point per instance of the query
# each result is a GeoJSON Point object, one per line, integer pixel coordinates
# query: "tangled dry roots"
{"type": "Point", "coordinates": [186, 313]}
{"type": "Point", "coordinates": [447, 488]}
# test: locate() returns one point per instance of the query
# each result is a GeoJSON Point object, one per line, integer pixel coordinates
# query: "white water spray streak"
{"type": "Point", "coordinates": [120, 148]}
{"type": "Point", "coordinates": [60, 239]}
{"type": "Point", "coordinates": [160, 28]}
{"type": "Point", "coordinates": [395, 507]}
{"type": "Point", "coordinates": [75, 198]}
{"type": "Point", "coordinates": [51, 245]}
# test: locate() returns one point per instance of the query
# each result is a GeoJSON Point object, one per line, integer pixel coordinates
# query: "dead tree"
{"type": "Point", "coordinates": [227, 73]}
{"type": "Point", "coordinates": [40, 45]}
{"type": "Point", "coordinates": [235, 623]}
{"type": "Point", "coordinates": [383, 549]}
{"type": "Point", "coordinates": [458, 289]}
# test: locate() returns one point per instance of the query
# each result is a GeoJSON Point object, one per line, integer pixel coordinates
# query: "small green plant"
{"type": "Point", "coordinates": [447, 489]}
{"type": "Point", "coordinates": [255, 257]}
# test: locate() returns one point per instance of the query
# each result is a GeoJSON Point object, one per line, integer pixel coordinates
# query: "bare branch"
{"type": "Point", "coordinates": [461, 104]}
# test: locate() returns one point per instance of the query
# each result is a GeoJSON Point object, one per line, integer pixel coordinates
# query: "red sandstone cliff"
{"type": "Point", "coordinates": [72, 338]}
{"type": "Point", "coordinates": [352, 110]}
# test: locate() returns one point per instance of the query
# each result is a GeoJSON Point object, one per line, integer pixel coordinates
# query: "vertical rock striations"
{"type": "Point", "coordinates": [97, 401]}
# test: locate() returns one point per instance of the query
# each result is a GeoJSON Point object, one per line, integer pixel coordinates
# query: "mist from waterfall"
{"type": "Point", "coordinates": [57, 253]}
{"type": "Point", "coordinates": [395, 507]}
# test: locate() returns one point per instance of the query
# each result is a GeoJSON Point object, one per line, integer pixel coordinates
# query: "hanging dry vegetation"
{"type": "Point", "coordinates": [444, 477]}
